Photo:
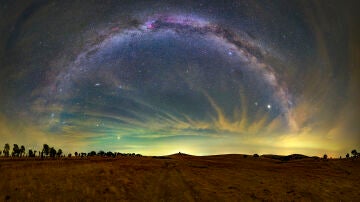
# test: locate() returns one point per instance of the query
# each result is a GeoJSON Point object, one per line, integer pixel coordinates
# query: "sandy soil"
{"type": "Point", "coordinates": [179, 178]}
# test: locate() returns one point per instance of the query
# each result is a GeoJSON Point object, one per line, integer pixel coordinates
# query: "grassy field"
{"type": "Point", "coordinates": [179, 178]}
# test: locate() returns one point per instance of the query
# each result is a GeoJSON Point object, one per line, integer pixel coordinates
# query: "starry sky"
{"type": "Point", "coordinates": [199, 77]}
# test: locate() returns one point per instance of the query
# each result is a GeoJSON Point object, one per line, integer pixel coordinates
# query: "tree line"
{"type": "Point", "coordinates": [354, 154]}
{"type": "Point", "coordinates": [20, 151]}
{"type": "Point", "coordinates": [48, 151]}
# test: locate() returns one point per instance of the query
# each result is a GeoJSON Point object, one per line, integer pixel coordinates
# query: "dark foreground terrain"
{"type": "Point", "coordinates": [180, 178]}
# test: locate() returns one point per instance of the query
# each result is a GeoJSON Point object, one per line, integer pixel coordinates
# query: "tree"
{"type": "Point", "coordinates": [325, 156]}
{"type": "Point", "coordinates": [59, 152]}
{"type": "Point", "coordinates": [110, 154]}
{"type": "Point", "coordinates": [354, 153]}
{"type": "Point", "coordinates": [46, 149]}
{"type": "Point", "coordinates": [347, 155]}
{"type": "Point", "coordinates": [52, 152]}
{"type": "Point", "coordinates": [22, 150]}
{"type": "Point", "coordinates": [16, 150]}
{"type": "Point", "coordinates": [92, 153]}
{"type": "Point", "coordinates": [31, 153]}
{"type": "Point", "coordinates": [76, 154]}
{"type": "Point", "coordinates": [256, 155]}
{"type": "Point", "coordinates": [6, 150]}
{"type": "Point", "coordinates": [101, 153]}
{"type": "Point", "coordinates": [0, 153]}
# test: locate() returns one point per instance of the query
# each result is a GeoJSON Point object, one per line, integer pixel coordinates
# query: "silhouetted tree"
{"type": "Point", "coordinates": [76, 154]}
{"type": "Point", "coordinates": [31, 154]}
{"type": "Point", "coordinates": [101, 153]}
{"type": "Point", "coordinates": [354, 153]}
{"type": "Point", "coordinates": [325, 156]}
{"type": "Point", "coordinates": [347, 155]}
{"type": "Point", "coordinates": [6, 150]}
{"type": "Point", "coordinates": [92, 153]}
{"type": "Point", "coordinates": [16, 150]}
{"type": "Point", "coordinates": [52, 152]}
{"type": "Point", "coordinates": [22, 150]}
{"type": "Point", "coordinates": [69, 155]}
{"type": "Point", "coordinates": [0, 153]}
{"type": "Point", "coordinates": [256, 155]}
{"type": "Point", "coordinates": [46, 150]}
{"type": "Point", "coordinates": [59, 152]}
{"type": "Point", "coordinates": [110, 154]}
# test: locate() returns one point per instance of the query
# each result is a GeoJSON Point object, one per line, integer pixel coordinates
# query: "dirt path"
{"type": "Point", "coordinates": [170, 180]}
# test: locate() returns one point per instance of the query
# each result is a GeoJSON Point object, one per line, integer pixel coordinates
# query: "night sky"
{"type": "Point", "coordinates": [199, 77]}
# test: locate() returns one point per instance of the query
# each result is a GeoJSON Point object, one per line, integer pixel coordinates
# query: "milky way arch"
{"type": "Point", "coordinates": [238, 45]}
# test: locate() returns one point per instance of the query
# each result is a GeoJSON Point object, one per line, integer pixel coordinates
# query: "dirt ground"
{"type": "Point", "coordinates": [179, 178]}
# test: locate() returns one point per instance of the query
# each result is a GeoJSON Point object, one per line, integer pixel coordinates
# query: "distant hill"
{"type": "Point", "coordinates": [234, 156]}
{"type": "Point", "coordinates": [180, 155]}
{"type": "Point", "coordinates": [176, 155]}
{"type": "Point", "coordinates": [286, 158]}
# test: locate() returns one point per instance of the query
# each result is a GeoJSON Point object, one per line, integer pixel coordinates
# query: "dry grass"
{"type": "Point", "coordinates": [179, 178]}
